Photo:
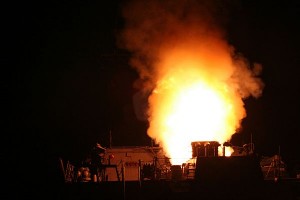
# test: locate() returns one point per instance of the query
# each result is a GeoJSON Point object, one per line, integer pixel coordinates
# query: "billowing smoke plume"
{"type": "Point", "coordinates": [181, 54]}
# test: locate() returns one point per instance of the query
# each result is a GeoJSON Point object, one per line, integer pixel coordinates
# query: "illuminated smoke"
{"type": "Point", "coordinates": [196, 80]}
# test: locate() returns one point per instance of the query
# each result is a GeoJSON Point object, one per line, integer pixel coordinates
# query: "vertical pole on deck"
{"type": "Point", "coordinates": [279, 162]}
{"type": "Point", "coordinates": [110, 139]}
{"type": "Point", "coordinates": [123, 180]}
{"type": "Point", "coordinates": [139, 173]}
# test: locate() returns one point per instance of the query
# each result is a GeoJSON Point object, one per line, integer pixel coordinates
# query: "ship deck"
{"type": "Point", "coordinates": [167, 190]}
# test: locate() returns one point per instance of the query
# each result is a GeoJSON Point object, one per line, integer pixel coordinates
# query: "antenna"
{"type": "Point", "coordinates": [251, 144]}
{"type": "Point", "coordinates": [279, 162]}
{"type": "Point", "coordinates": [110, 138]}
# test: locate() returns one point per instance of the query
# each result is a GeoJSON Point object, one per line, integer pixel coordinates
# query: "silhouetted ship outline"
{"type": "Point", "coordinates": [206, 176]}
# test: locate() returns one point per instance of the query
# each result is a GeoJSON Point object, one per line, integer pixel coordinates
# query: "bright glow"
{"type": "Point", "coordinates": [196, 80]}
{"type": "Point", "coordinates": [228, 151]}
{"type": "Point", "coordinates": [189, 108]}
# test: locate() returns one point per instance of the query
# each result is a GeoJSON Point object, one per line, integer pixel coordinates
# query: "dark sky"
{"type": "Point", "coordinates": [72, 85]}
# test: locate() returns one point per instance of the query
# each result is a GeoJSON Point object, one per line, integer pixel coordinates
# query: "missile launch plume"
{"type": "Point", "coordinates": [196, 80]}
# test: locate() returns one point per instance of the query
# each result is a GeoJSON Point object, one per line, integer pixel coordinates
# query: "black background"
{"type": "Point", "coordinates": [71, 85]}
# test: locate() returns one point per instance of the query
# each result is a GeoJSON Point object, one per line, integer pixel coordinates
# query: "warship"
{"type": "Point", "coordinates": [143, 172]}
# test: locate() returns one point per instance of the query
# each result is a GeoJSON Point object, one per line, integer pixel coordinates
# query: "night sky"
{"type": "Point", "coordinates": [73, 86]}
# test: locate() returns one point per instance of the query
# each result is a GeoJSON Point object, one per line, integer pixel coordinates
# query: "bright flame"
{"type": "Point", "coordinates": [187, 107]}
{"type": "Point", "coordinates": [228, 151]}
{"type": "Point", "coordinates": [196, 80]}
